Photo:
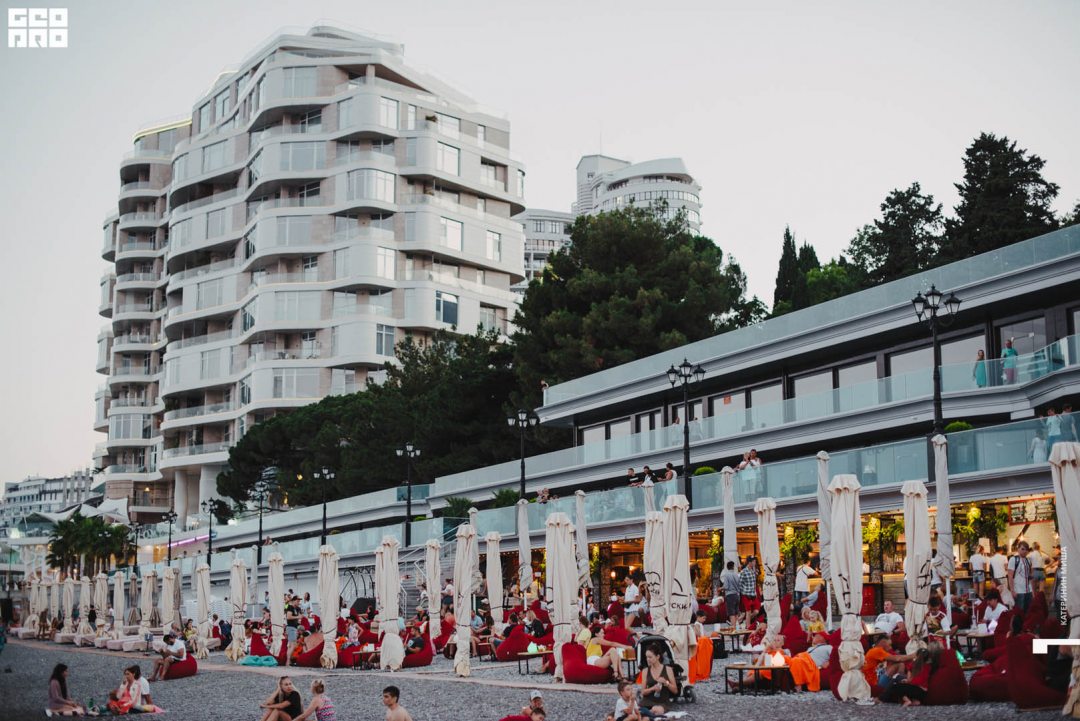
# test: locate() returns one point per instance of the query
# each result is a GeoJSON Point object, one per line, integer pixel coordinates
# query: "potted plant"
{"type": "Point", "coordinates": [961, 447]}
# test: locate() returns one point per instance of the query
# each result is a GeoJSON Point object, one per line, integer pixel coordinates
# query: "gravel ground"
{"type": "Point", "coordinates": [224, 691]}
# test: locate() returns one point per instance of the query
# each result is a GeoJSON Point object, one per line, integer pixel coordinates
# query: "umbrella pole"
{"type": "Point", "coordinates": [948, 608]}
{"type": "Point", "coordinates": [828, 607]}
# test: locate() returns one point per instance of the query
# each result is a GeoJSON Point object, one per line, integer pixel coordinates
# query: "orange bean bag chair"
{"type": "Point", "coordinates": [310, 659]}
{"type": "Point", "coordinates": [420, 658]}
{"type": "Point", "coordinates": [701, 662]}
{"type": "Point", "coordinates": [515, 644]}
{"type": "Point", "coordinates": [576, 668]}
{"type": "Point", "coordinates": [258, 648]}
{"type": "Point", "coordinates": [794, 636]}
{"type": "Point", "coordinates": [182, 669]}
{"type": "Point", "coordinates": [948, 685]}
{"type": "Point", "coordinates": [1027, 684]}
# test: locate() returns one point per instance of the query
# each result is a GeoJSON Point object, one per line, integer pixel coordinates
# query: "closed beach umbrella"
{"type": "Point", "coordinates": [525, 571]}
{"type": "Point", "coordinates": [238, 581]}
{"type": "Point", "coordinates": [32, 606]}
{"type": "Point", "coordinates": [119, 598]}
{"type": "Point", "coordinates": [54, 598]}
{"type": "Point", "coordinates": [69, 604]}
{"type": "Point", "coordinates": [846, 569]}
{"type": "Point", "coordinates": [494, 577]}
{"type": "Point", "coordinates": [392, 650]}
{"type": "Point", "coordinates": [85, 601]}
{"type": "Point", "coordinates": [944, 562]}
{"type": "Point", "coordinates": [581, 541]}
{"type": "Point", "coordinates": [146, 602]}
{"type": "Point", "coordinates": [169, 616]}
{"type": "Point", "coordinates": [378, 581]}
{"type": "Point", "coordinates": [561, 583]}
{"type": "Point", "coordinates": [202, 610]}
{"type": "Point", "coordinates": [765, 508]}
{"type": "Point", "coordinates": [731, 542]}
{"type": "Point", "coordinates": [477, 577]}
{"type": "Point", "coordinates": [1065, 470]}
{"type": "Point", "coordinates": [101, 599]}
{"type": "Point", "coordinates": [653, 563]}
{"type": "Point", "coordinates": [678, 589]}
{"type": "Point", "coordinates": [649, 493]}
{"type": "Point", "coordinates": [917, 562]}
{"type": "Point", "coordinates": [329, 591]}
{"type": "Point", "coordinates": [276, 584]}
{"type": "Point", "coordinates": [433, 572]}
{"type": "Point", "coordinates": [824, 505]}
{"type": "Point", "coordinates": [133, 599]}
{"type": "Point", "coordinates": [466, 538]}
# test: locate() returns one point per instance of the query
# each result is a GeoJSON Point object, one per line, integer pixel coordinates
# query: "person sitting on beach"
{"type": "Point", "coordinates": [130, 696]}
{"type": "Point", "coordinates": [394, 710]}
{"type": "Point", "coordinates": [911, 689]}
{"type": "Point", "coordinates": [888, 621]}
{"type": "Point", "coordinates": [172, 650]}
{"type": "Point", "coordinates": [605, 654]}
{"type": "Point", "coordinates": [284, 704]}
{"type": "Point", "coordinates": [881, 665]}
{"type": "Point", "coordinates": [755, 642]}
{"type": "Point", "coordinates": [658, 684]}
{"type": "Point", "coordinates": [416, 641]}
{"type": "Point", "coordinates": [993, 610]}
{"type": "Point", "coordinates": [626, 706]}
{"type": "Point", "coordinates": [938, 622]}
{"type": "Point", "coordinates": [806, 666]}
{"type": "Point", "coordinates": [772, 655]}
{"type": "Point", "coordinates": [188, 634]}
{"type": "Point", "coordinates": [533, 625]}
{"type": "Point", "coordinates": [536, 701]}
{"type": "Point", "coordinates": [59, 702]}
{"type": "Point", "coordinates": [321, 707]}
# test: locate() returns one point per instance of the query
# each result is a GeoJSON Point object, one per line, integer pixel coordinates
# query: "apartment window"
{"type": "Point", "coordinates": [964, 350]}
{"type": "Point", "coordinates": [298, 82]}
{"type": "Point", "coordinates": [344, 113]}
{"type": "Point", "coordinates": [594, 434]}
{"type": "Point", "coordinates": [303, 156]}
{"type": "Point", "coordinates": [481, 205]}
{"type": "Point", "coordinates": [410, 117]}
{"type": "Point", "coordinates": [383, 147]}
{"type": "Point", "coordinates": [384, 339]}
{"type": "Point", "coordinates": [215, 223]}
{"type": "Point", "coordinates": [167, 140]}
{"type": "Point", "coordinates": [481, 276]}
{"type": "Point", "coordinates": [210, 293]}
{"type": "Point", "coordinates": [385, 263]}
{"type": "Point", "coordinates": [130, 425]}
{"type": "Point", "coordinates": [213, 156]}
{"type": "Point", "coordinates": [370, 184]}
{"type": "Point", "coordinates": [341, 263]}
{"type": "Point", "coordinates": [446, 307]}
{"type": "Point", "coordinates": [255, 169]}
{"type": "Point", "coordinates": [221, 105]}
{"type": "Point", "coordinates": [450, 233]}
{"type": "Point", "coordinates": [310, 267]}
{"type": "Point", "coordinates": [297, 305]}
{"type": "Point", "coordinates": [494, 245]}
{"type": "Point", "coordinates": [210, 364]}
{"type": "Point", "coordinates": [388, 113]}
{"type": "Point", "coordinates": [766, 394]}
{"type": "Point", "coordinates": [309, 344]}
{"type": "Point", "coordinates": [448, 159]}
{"type": "Point", "coordinates": [179, 168]}
{"type": "Point", "coordinates": [204, 118]}
{"type": "Point", "coordinates": [311, 121]}
{"type": "Point", "coordinates": [449, 125]}
{"type": "Point", "coordinates": [310, 194]}
{"type": "Point", "coordinates": [812, 384]}
{"type": "Point", "coordinates": [858, 373]}
{"type": "Point", "coordinates": [247, 316]}
{"type": "Point", "coordinates": [538, 226]}
{"type": "Point", "coordinates": [645, 422]}
{"type": "Point", "coordinates": [488, 175]}
{"type": "Point", "coordinates": [920, 359]}
{"type": "Point", "coordinates": [296, 382]}
{"type": "Point", "coordinates": [487, 318]}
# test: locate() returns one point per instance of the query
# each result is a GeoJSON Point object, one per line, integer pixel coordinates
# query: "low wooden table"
{"type": "Point", "coordinates": [973, 665]}
{"type": "Point", "coordinates": [771, 686]}
{"type": "Point", "coordinates": [366, 660]}
{"type": "Point", "coordinates": [974, 642]}
{"type": "Point", "coordinates": [874, 635]}
{"type": "Point", "coordinates": [734, 636]}
{"type": "Point", "coordinates": [526, 657]}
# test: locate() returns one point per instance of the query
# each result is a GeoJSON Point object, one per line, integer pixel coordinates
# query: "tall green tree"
{"type": "Point", "coordinates": [632, 283]}
{"type": "Point", "coordinates": [1004, 199]}
{"type": "Point", "coordinates": [904, 240]}
{"type": "Point", "coordinates": [836, 278]}
{"type": "Point", "coordinates": [1072, 217]}
{"type": "Point", "coordinates": [808, 259]}
{"type": "Point", "coordinates": [787, 272]}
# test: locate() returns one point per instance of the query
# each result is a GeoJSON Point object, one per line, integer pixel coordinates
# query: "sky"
{"type": "Point", "coordinates": [787, 113]}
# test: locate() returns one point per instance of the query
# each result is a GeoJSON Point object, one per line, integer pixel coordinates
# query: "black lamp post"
{"type": "Point", "coordinates": [327, 478]}
{"type": "Point", "coordinates": [135, 543]}
{"type": "Point", "coordinates": [927, 308]}
{"type": "Point", "coordinates": [409, 452]}
{"type": "Point", "coordinates": [262, 493]}
{"type": "Point", "coordinates": [169, 518]}
{"type": "Point", "coordinates": [208, 508]}
{"type": "Point", "coordinates": [685, 373]}
{"type": "Point", "coordinates": [522, 419]}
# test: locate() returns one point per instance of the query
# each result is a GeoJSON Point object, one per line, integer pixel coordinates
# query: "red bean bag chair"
{"type": "Point", "coordinates": [899, 641]}
{"type": "Point", "coordinates": [833, 672]}
{"type": "Point", "coordinates": [515, 717]}
{"type": "Point", "coordinates": [258, 648]}
{"type": "Point", "coordinates": [544, 616]}
{"type": "Point", "coordinates": [346, 657]}
{"type": "Point", "coordinates": [519, 610]}
{"type": "Point", "coordinates": [948, 685]}
{"type": "Point", "coordinates": [182, 669]}
{"type": "Point", "coordinates": [1038, 604]}
{"type": "Point", "coordinates": [420, 658]}
{"type": "Point", "coordinates": [821, 605]}
{"type": "Point", "coordinates": [576, 668]}
{"type": "Point", "coordinates": [446, 630]}
{"type": "Point", "coordinates": [1027, 684]}
{"type": "Point", "coordinates": [548, 639]}
{"type": "Point", "coordinates": [992, 654]}
{"type": "Point", "coordinates": [794, 636]}
{"type": "Point", "coordinates": [615, 611]}
{"type": "Point", "coordinates": [1001, 631]}
{"type": "Point", "coordinates": [310, 659]}
{"type": "Point", "coordinates": [515, 644]}
{"type": "Point", "coordinates": [785, 607]}
{"type": "Point", "coordinates": [1052, 628]}
{"type": "Point", "coordinates": [305, 623]}
{"type": "Point", "coordinates": [342, 627]}
{"type": "Point", "coordinates": [991, 683]}
{"type": "Point", "coordinates": [960, 619]}
{"type": "Point", "coordinates": [711, 614]}
{"type": "Point", "coordinates": [619, 634]}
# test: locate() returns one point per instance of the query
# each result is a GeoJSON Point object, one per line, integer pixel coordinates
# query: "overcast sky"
{"type": "Point", "coordinates": [800, 113]}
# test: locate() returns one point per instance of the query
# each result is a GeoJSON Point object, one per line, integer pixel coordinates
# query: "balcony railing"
{"type": "Point", "coordinates": [201, 339]}
{"type": "Point", "coordinates": [137, 277]}
{"type": "Point", "coordinates": [198, 450]}
{"type": "Point", "coordinates": [136, 371]}
{"type": "Point", "coordinates": [132, 339]}
{"type": "Point", "coordinates": [199, 411]}
{"type": "Point", "coordinates": [148, 218]}
{"type": "Point", "coordinates": [138, 246]}
{"type": "Point", "coordinates": [204, 269]}
{"type": "Point", "coordinates": [208, 200]}
{"type": "Point", "coordinates": [131, 402]}
{"type": "Point", "coordinates": [137, 185]}
{"type": "Point", "coordinates": [153, 499]}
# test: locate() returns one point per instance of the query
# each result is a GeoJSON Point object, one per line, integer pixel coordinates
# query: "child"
{"type": "Point", "coordinates": [626, 707]}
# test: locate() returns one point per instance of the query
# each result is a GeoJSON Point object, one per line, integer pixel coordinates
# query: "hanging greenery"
{"type": "Point", "coordinates": [882, 539]}
{"type": "Point", "coordinates": [981, 522]}
{"type": "Point", "coordinates": [798, 543]}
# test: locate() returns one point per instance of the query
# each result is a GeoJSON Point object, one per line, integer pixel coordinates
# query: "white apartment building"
{"type": "Point", "coordinates": [546, 232]}
{"type": "Point", "coordinates": [36, 494]}
{"type": "Point", "coordinates": [321, 202]}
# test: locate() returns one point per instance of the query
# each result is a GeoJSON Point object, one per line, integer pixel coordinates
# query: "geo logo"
{"type": "Point", "coordinates": [37, 27]}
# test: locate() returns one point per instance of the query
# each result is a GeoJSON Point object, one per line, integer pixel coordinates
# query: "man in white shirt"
{"type": "Point", "coordinates": [888, 621]}
{"type": "Point", "coordinates": [994, 609]}
{"type": "Point", "coordinates": [977, 566]}
{"type": "Point", "coordinates": [1020, 576]}
{"type": "Point", "coordinates": [448, 593]}
{"type": "Point", "coordinates": [998, 564]}
{"type": "Point", "coordinates": [172, 650]}
{"type": "Point", "coordinates": [802, 580]}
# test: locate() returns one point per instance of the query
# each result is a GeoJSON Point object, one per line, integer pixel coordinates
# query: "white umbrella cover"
{"type": "Point", "coordinates": [202, 611]}
{"type": "Point", "coordinates": [525, 571]}
{"type": "Point", "coordinates": [101, 601]}
{"type": "Point", "coordinates": [133, 599]}
{"type": "Point", "coordinates": [653, 568]}
{"type": "Point", "coordinates": [917, 563]}
{"type": "Point", "coordinates": [494, 578]}
{"type": "Point", "coordinates": [119, 600]}
{"type": "Point", "coordinates": [329, 592]}
{"type": "Point", "coordinates": [561, 583]}
{"type": "Point", "coordinates": [466, 538]}
{"type": "Point", "coordinates": [433, 573]}
{"type": "Point", "coordinates": [379, 582]}
{"type": "Point", "coordinates": [765, 508]}
{"type": "Point", "coordinates": [824, 504]}
{"type": "Point", "coordinates": [477, 577]}
{"type": "Point", "coordinates": [169, 614]}
{"type": "Point", "coordinates": [945, 563]}
{"type": "Point", "coordinates": [679, 591]}
{"type": "Point", "coordinates": [648, 491]}
{"type": "Point", "coordinates": [238, 590]}
{"type": "Point", "coordinates": [85, 592]}
{"type": "Point", "coordinates": [392, 650]}
{"type": "Point", "coordinates": [731, 543]}
{"type": "Point", "coordinates": [581, 541]}
{"type": "Point", "coordinates": [1065, 470]}
{"type": "Point", "coordinates": [146, 602]}
{"type": "Point", "coordinates": [69, 604]}
{"type": "Point", "coordinates": [32, 610]}
{"type": "Point", "coordinates": [276, 584]}
{"type": "Point", "coordinates": [54, 598]}
{"type": "Point", "coordinates": [846, 571]}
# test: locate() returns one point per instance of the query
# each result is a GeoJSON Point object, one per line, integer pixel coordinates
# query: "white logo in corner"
{"type": "Point", "coordinates": [37, 27]}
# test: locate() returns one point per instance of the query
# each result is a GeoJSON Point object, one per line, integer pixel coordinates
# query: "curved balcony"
{"type": "Point", "coordinates": [196, 414]}
{"type": "Point", "coordinates": [190, 454]}
{"type": "Point", "coordinates": [133, 374]}
{"type": "Point", "coordinates": [134, 342]}
{"type": "Point", "coordinates": [138, 281]}
{"type": "Point", "coordinates": [139, 221]}
{"type": "Point", "coordinates": [139, 250]}
{"type": "Point", "coordinates": [135, 311]}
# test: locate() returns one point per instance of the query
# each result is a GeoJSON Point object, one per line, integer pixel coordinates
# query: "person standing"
{"type": "Point", "coordinates": [978, 371]}
{"type": "Point", "coordinates": [1068, 424]}
{"type": "Point", "coordinates": [998, 565]}
{"type": "Point", "coordinates": [1038, 567]}
{"type": "Point", "coordinates": [1020, 576]}
{"type": "Point", "coordinates": [1038, 452]}
{"type": "Point", "coordinates": [977, 568]}
{"type": "Point", "coordinates": [748, 585]}
{"type": "Point", "coordinates": [729, 579]}
{"type": "Point", "coordinates": [1009, 361]}
{"type": "Point", "coordinates": [802, 579]}
{"type": "Point", "coordinates": [1053, 428]}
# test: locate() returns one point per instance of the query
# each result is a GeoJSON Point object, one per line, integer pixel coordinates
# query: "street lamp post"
{"type": "Point", "coordinates": [685, 373]}
{"type": "Point", "coordinates": [135, 532]}
{"type": "Point", "coordinates": [208, 509]}
{"type": "Point", "coordinates": [170, 518]}
{"type": "Point", "coordinates": [523, 419]}
{"type": "Point", "coordinates": [927, 308]}
{"type": "Point", "coordinates": [262, 493]}
{"type": "Point", "coordinates": [409, 452]}
{"type": "Point", "coordinates": [327, 478]}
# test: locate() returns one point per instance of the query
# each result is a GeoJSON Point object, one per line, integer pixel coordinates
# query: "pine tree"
{"type": "Point", "coordinates": [903, 241]}
{"type": "Point", "coordinates": [1004, 199]}
{"type": "Point", "coordinates": [808, 259]}
{"type": "Point", "coordinates": [786, 273]}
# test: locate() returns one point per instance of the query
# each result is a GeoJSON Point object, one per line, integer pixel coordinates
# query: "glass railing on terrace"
{"type": "Point", "coordinates": [199, 411]}
{"type": "Point", "coordinates": [1043, 249]}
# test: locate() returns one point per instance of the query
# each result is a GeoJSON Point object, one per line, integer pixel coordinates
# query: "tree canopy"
{"type": "Point", "coordinates": [904, 240]}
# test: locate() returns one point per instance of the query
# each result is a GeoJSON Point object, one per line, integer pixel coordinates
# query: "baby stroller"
{"type": "Point", "coordinates": [661, 646]}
